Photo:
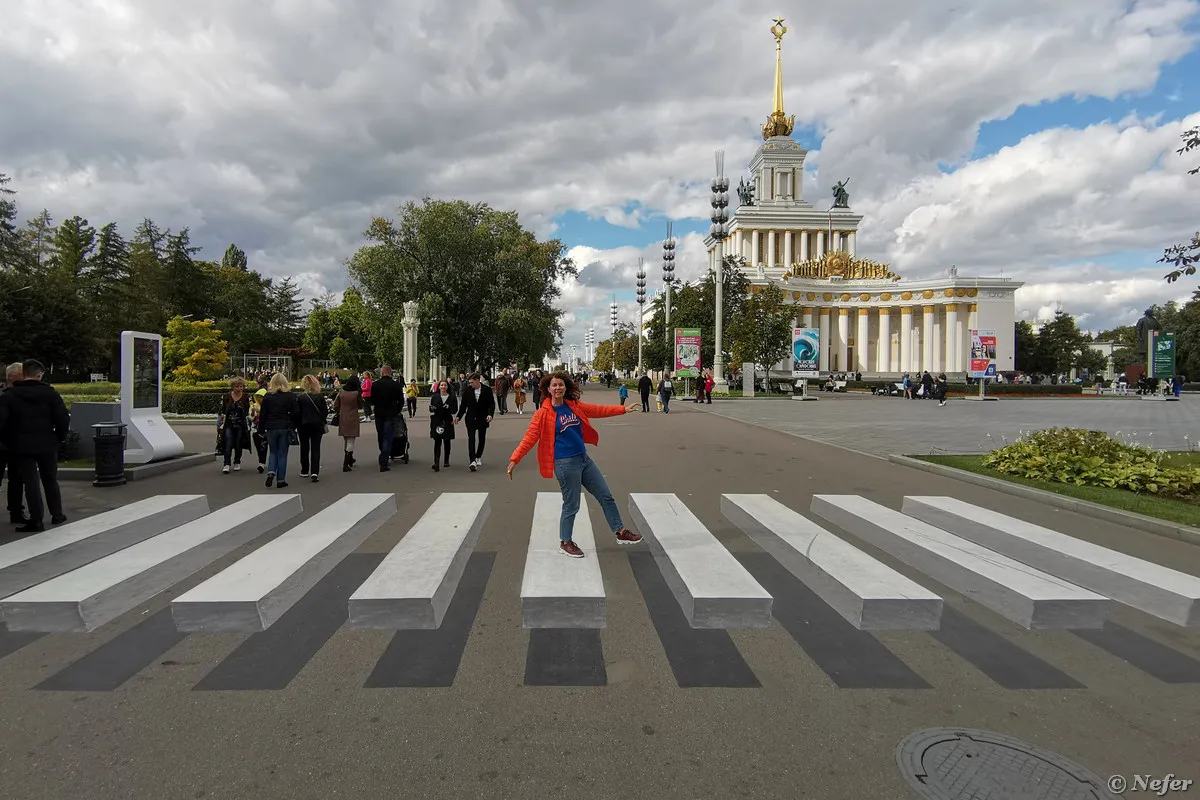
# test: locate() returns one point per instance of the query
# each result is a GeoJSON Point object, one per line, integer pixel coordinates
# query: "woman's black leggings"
{"type": "Point", "coordinates": [437, 450]}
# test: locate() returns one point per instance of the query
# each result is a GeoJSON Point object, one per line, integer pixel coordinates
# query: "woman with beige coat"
{"type": "Point", "coordinates": [345, 408]}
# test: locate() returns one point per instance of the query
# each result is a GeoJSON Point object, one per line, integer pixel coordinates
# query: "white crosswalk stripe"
{"type": "Point", "coordinates": [255, 591]}
{"type": "Point", "coordinates": [868, 594]}
{"type": "Point", "coordinates": [1165, 593]}
{"type": "Point", "coordinates": [46, 555]}
{"type": "Point", "coordinates": [414, 584]}
{"type": "Point", "coordinates": [714, 590]}
{"type": "Point", "coordinates": [1029, 597]}
{"type": "Point", "coordinates": [85, 598]}
{"type": "Point", "coordinates": [556, 591]}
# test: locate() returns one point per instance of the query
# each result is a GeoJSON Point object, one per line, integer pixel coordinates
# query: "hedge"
{"type": "Point", "coordinates": [973, 389]}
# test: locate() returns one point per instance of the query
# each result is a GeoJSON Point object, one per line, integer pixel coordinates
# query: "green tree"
{"type": "Point", "coordinates": [193, 350]}
{"type": "Point", "coordinates": [1184, 256]}
{"type": "Point", "coordinates": [1025, 347]}
{"type": "Point", "coordinates": [108, 293]}
{"type": "Point", "coordinates": [762, 330]}
{"type": "Point", "coordinates": [1061, 347]}
{"type": "Point", "coordinates": [234, 258]}
{"type": "Point", "coordinates": [74, 242]}
{"type": "Point", "coordinates": [240, 306]}
{"type": "Point", "coordinates": [342, 354]}
{"type": "Point", "coordinates": [486, 285]}
{"type": "Point", "coordinates": [286, 313]}
{"type": "Point", "coordinates": [39, 240]}
{"type": "Point", "coordinates": [12, 243]}
{"type": "Point", "coordinates": [189, 289]}
{"type": "Point", "coordinates": [694, 306]}
{"type": "Point", "coordinates": [43, 317]}
{"type": "Point", "coordinates": [149, 305]}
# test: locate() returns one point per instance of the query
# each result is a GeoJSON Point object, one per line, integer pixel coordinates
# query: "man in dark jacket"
{"type": "Point", "coordinates": [33, 424]}
{"type": "Point", "coordinates": [645, 386]}
{"type": "Point", "coordinates": [478, 405]}
{"type": "Point", "coordinates": [16, 508]}
{"type": "Point", "coordinates": [388, 397]}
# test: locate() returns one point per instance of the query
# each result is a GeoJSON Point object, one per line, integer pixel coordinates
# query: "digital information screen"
{"type": "Point", "coordinates": [147, 373]}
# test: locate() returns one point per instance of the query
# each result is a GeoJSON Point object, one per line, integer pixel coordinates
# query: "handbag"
{"type": "Point", "coordinates": [295, 440]}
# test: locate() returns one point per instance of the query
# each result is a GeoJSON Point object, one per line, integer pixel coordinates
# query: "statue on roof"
{"type": "Point", "coordinates": [746, 192]}
{"type": "Point", "coordinates": [841, 198]}
{"type": "Point", "coordinates": [1143, 327]}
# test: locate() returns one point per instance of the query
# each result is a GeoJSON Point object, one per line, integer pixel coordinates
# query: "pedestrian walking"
{"type": "Point", "coordinates": [709, 383]}
{"type": "Point", "coordinates": [561, 429]}
{"type": "Point", "coordinates": [8, 466]}
{"type": "Point", "coordinates": [519, 393]}
{"type": "Point", "coordinates": [234, 424]}
{"type": "Point", "coordinates": [478, 405]}
{"type": "Point", "coordinates": [33, 425]}
{"type": "Point", "coordinates": [388, 398]}
{"type": "Point", "coordinates": [645, 386]}
{"type": "Point", "coordinates": [345, 411]}
{"type": "Point", "coordinates": [367, 392]}
{"type": "Point", "coordinates": [313, 413]}
{"type": "Point", "coordinates": [411, 393]}
{"type": "Point", "coordinates": [278, 421]}
{"type": "Point", "coordinates": [623, 394]}
{"type": "Point", "coordinates": [442, 407]}
{"type": "Point", "coordinates": [666, 388]}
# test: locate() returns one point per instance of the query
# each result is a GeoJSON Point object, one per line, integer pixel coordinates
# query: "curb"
{"type": "Point", "coordinates": [139, 472]}
{"type": "Point", "coordinates": [1169, 530]}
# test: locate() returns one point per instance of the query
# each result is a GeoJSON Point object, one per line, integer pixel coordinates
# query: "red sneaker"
{"type": "Point", "coordinates": [626, 536]}
{"type": "Point", "coordinates": [571, 549]}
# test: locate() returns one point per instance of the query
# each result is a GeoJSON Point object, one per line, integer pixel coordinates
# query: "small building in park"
{"type": "Point", "coordinates": [870, 319]}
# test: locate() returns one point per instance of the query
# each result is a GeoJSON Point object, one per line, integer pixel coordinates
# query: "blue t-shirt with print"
{"type": "Point", "coordinates": [568, 433]}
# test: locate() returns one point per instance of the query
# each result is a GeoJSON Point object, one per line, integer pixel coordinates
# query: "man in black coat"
{"type": "Point", "coordinates": [478, 405]}
{"type": "Point", "coordinates": [8, 468]}
{"type": "Point", "coordinates": [388, 398]}
{"type": "Point", "coordinates": [645, 386]}
{"type": "Point", "coordinates": [33, 424]}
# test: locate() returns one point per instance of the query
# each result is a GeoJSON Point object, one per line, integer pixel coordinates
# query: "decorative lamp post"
{"type": "Point", "coordinates": [668, 271]}
{"type": "Point", "coordinates": [612, 319]}
{"type": "Point", "coordinates": [720, 232]}
{"type": "Point", "coordinates": [641, 301]}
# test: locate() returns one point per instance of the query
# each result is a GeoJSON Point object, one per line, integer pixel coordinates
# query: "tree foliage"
{"type": "Point", "coordinates": [694, 305]}
{"type": "Point", "coordinates": [762, 329]}
{"type": "Point", "coordinates": [485, 285]}
{"type": "Point", "coordinates": [625, 347]}
{"type": "Point", "coordinates": [71, 288]}
{"type": "Point", "coordinates": [1186, 255]}
{"type": "Point", "coordinates": [194, 351]}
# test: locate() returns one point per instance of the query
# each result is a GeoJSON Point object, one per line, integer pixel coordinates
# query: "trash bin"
{"type": "Point", "coordinates": [109, 438]}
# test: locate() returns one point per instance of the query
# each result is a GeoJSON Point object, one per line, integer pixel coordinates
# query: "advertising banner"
{"type": "Point", "coordinates": [687, 352]}
{"type": "Point", "coordinates": [1164, 355]}
{"type": "Point", "coordinates": [806, 352]}
{"type": "Point", "coordinates": [983, 354]}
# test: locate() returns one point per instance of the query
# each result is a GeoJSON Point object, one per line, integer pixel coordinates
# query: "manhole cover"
{"type": "Point", "coordinates": [967, 764]}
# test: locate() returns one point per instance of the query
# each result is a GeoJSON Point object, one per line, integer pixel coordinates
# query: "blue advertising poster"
{"type": "Point", "coordinates": [806, 352]}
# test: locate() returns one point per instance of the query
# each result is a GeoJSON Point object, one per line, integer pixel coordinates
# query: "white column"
{"type": "Point", "coordinates": [973, 317]}
{"type": "Point", "coordinates": [927, 337]}
{"type": "Point", "coordinates": [808, 316]}
{"type": "Point", "coordinates": [754, 248]}
{"type": "Point", "coordinates": [884, 363]}
{"type": "Point", "coordinates": [770, 249]}
{"type": "Point", "coordinates": [820, 244]}
{"type": "Point", "coordinates": [787, 250]}
{"type": "Point", "coordinates": [952, 364]}
{"type": "Point", "coordinates": [862, 346]}
{"type": "Point", "coordinates": [843, 340]}
{"type": "Point", "coordinates": [804, 245]}
{"type": "Point", "coordinates": [410, 323]}
{"type": "Point", "coordinates": [850, 242]}
{"type": "Point", "coordinates": [823, 365]}
{"type": "Point", "coordinates": [906, 355]}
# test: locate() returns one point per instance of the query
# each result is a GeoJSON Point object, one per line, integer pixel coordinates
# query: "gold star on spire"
{"type": "Point", "coordinates": [778, 123]}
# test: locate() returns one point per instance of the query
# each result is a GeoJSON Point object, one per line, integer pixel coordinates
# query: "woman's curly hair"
{"type": "Point", "coordinates": [572, 390]}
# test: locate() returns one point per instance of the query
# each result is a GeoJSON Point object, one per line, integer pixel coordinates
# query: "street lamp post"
{"type": "Point", "coordinates": [720, 231]}
{"type": "Point", "coordinates": [612, 319]}
{"type": "Point", "coordinates": [668, 271]}
{"type": "Point", "coordinates": [641, 301]}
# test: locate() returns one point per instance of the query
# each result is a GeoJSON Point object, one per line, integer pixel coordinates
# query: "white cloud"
{"type": "Point", "coordinates": [285, 125]}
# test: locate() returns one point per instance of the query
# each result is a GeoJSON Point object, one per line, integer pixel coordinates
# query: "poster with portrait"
{"type": "Point", "coordinates": [983, 354]}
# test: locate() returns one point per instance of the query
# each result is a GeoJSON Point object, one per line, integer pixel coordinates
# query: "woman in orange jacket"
{"type": "Point", "coordinates": [560, 429]}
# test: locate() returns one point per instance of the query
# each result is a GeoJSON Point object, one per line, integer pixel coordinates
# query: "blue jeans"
{"type": "Point", "coordinates": [385, 429]}
{"type": "Point", "coordinates": [581, 471]}
{"type": "Point", "coordinates": [665, 399]}
{"type": "Point", "coordinates": [278, 441]}
{"type": "Point", "coordinates": [233, 443]}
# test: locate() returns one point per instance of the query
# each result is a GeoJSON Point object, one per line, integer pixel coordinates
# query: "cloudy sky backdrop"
{"type": "Point", "coordinates": [1029, 138]}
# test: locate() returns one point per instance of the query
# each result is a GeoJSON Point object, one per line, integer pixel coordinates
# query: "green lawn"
{"type": "Point", "coordinates": [1178, 511]}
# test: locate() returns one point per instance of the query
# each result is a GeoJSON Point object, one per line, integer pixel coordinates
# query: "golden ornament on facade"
{"type": "Point", "coordinates": [885, 296]}
{"type": "Point", "coordinates": [949, 293]}
{"type": "Point", "coordinates": [864, 297]}
{"type": "Point", "coordinates": [845, 298]}
{"type": "Point", "coordinates": [927, 294]}
{"type": "Point", "coordinates": [839, 264]}
{"type": "Point", "coordinates": [972, 292]}
{"type": "Point", "coordinates": [797, 295]}
{"type": "Point", "coordinates": [827, 297]}
{"type": "Point", "coordinates": [960, 292]}
{"type": "Point", "coordinates": [812, 296]}
{"type": "Point", "coordinates": [906, 295]}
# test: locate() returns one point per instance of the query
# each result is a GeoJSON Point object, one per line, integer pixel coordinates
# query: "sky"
{"type": "Point", "coordinates": [1033, 139]}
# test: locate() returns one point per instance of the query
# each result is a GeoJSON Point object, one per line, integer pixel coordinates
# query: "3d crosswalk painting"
{"type": "Point", "coordinates": [840, 579]}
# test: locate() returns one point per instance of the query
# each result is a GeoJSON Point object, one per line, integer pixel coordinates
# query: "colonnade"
{"type": "Point", "coordinates": [894, 339]}
{"type": "Point", "coordinates": [775, 248]}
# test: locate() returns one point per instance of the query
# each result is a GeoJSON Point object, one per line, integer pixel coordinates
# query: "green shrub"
{"type": "Point", "coordinates": [1093, 458]}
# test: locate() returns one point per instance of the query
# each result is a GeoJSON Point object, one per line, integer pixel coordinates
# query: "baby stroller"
{"type": "Point", "coordinates": [400, 443]}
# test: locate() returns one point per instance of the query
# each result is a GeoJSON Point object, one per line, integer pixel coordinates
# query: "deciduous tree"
{"type": "Point", "coordinates": [194, 350]}
{"type": "Point", "coordinates": [1186, 255]}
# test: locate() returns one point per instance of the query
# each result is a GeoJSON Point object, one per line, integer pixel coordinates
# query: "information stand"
{"type": "Point", "coordinates": [149, 437]}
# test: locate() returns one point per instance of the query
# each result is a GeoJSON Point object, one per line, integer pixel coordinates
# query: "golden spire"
{"type": "Point", "coordinates": [778, 124]}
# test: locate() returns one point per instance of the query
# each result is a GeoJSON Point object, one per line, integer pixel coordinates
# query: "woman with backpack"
{"type": "Point", "coordinates": [666, 387]}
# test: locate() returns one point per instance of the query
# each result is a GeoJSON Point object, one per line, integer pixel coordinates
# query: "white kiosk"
{"type": "Point", "coordinates": [148, 436]}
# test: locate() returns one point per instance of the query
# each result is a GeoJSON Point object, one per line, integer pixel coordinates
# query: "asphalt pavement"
{"type": "Point", "coordinates": [809, 707]}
